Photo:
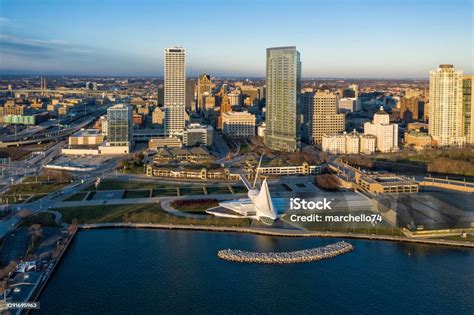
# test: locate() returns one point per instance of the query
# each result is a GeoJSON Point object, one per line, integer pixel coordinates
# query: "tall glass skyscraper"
{"type": "Point", "coordinates": [283, 99]}
{"type": "Point", "coordinates": [119, 125]}
{"type": "Point", "coordinates": [175, 90]}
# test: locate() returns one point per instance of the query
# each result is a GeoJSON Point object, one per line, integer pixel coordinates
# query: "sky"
{"type": "Point", "coordinates": [336, 38]}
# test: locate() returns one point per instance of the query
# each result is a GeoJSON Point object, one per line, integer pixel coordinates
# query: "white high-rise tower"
{"type": "Point", "coordinates": [446, 123]}
{"type": "Point", "coordinates": [175, 90]}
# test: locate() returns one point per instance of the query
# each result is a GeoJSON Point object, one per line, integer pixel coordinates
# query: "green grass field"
{"type": "Point", "coordinates": [136, 194]}
{"type": "Point", "coordinates": [76, 197]}
{"type": "Point", "coordinates": [191, 190]}
{"type": "Point", "coordinates": [139, 213]}
{"type": "Point", "coordinates": [196, 207]}
{"type": "Point", "coordinates": [109, 184]}
{"type": "Point", "coordinates": [43, 218]}
{"type": "Point", "coordinates": [19, 193]}
{"type": "Point", "coordinates": [99, 214]}
{"type": "Point", "coordinates": [216, 190]}
{"type": "Point", "coordinates": [168, 192]}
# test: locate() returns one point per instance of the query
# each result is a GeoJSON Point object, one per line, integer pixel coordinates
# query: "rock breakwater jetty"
{"type": "Point", "coordinates": [300, 256]}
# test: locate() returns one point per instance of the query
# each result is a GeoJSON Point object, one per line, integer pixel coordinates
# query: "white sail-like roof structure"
{"type": "Point", "coordinates": [258, 205]}
{"type": "Point", "coordinates": [263, 204]}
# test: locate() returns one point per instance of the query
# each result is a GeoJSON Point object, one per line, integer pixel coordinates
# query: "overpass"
{"type": "Point", "coordinates": [51, 135]}
{"type": "Point", "coordinates": [73, 91]}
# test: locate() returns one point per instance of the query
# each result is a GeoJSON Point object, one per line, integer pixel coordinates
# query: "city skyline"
{"type": "Point", "coordinates": [124, 39]}
{"type": "Point", "coordinates": [162, 156]}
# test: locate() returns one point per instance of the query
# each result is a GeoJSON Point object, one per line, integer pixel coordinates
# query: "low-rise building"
{"type": "Point", "coordinates": [386, 133]}
{"type": "Point", "coordinates": [348, 104]}
{"type": "Point", "coordinates": [158, 143]}
{"type": "Point", "coordinates": [86, 137]}
{"type": "Point", "coordinates": [374, 182]}
{"type": "Point", "coordinates": [348, 143]}
{"type": "Point", "coordinates": [352, 143]}
{"type": "Point", "coordinates": [334, 143]}
{"type": "Point", "coordinates": [11, 108]}
{"type": "Point", "coordinates": [63, 110]}
{"type": "Point", "coordinates": [238, 124]}
{"type": "Point", "coordinates": [186, 172]}
{"type": "Point", "coordinates": [196, 134]}
{"type": "Point", "coordinates": [32, 119]}
{"type": "Point", "coordinates": [368, 144]}
{"type": "Point", "coordinates": [387, 183]}
{"type": "Point", "coordinates": [192, 155]}
{"type": "Point", "coordinates": [303, 169]}
{"type": "Point", "coordinates": [418, 140]}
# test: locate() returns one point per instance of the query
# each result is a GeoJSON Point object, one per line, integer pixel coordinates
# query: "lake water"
{"type": "Point", "coordinates": [154, 271]}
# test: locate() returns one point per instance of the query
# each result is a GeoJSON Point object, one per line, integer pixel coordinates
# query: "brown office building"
{"type": "Point", "coordinates": [203, 89]}
{"type": "Point", "coordinates": [409, 108]}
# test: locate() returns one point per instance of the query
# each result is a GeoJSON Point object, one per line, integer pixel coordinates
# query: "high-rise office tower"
{"type": "Point", "coordinates": [283, 99]}
{"type": "Point", "coordinates": [224, 108]}
{"type": "Point", "coordinates": [191, 94]}
{"type": "Point", "coordinates": [161, 95]}
{"type": "Point", "coordinates": [409, 109]}
{"type": "Point", "coordinates": [446, 106]}
{"type": "Point", "coordinates": [175, 90]}
{"type": "Point", "coordinates": [320, 115]}
{"type": "Point", "coordinates": [468, 107]}
{"type": "Point", "coordinates": [203, 89]}
{"type": "Point", "coordinates": [119, 126]}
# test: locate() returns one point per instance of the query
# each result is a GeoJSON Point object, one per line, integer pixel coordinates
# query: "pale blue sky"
{"type": "Point", "coordinates": [338, 38]}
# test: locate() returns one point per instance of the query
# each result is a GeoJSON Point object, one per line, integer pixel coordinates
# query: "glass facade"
{"type": "Point", "coordinates": [283, 99]}
{"type": "Point", "coordinates": [119, 125]}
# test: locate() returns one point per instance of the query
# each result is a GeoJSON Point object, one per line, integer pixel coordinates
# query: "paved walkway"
{"type": "Point", "coordinates": [85, 203]}
{"type": "Point", "coordinates": [279, 232]}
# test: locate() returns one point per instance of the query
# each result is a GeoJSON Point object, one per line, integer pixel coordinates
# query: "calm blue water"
{"type": "Point", "coordinates": [152, 271]}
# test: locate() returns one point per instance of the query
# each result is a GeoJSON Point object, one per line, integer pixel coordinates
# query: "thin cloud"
{"type": "Point", "coordinates": [35, 47]}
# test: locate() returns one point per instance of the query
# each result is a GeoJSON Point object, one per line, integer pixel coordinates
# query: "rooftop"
{"type": "Point", "coordinates": [381, 111]}
{"type": "Point", "coordinates": [87, 133]}
{"type": "Point", "coordinates": [388, 179]}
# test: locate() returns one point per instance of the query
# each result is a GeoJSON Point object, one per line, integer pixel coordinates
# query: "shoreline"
{"type": "Point", "coordinates": [276, 232]}
{"type": "Point", "coordinates": [256, 231]}
{"type": "Point", "coordinates": [45, 278]}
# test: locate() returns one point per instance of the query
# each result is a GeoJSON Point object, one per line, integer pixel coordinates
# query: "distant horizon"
{"type": "Point", "coordinates": [196, 75]}
{"type": "Point", "coordinates": [336, 39]}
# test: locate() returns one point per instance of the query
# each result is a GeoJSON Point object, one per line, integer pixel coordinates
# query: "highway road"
{"type": "Point", "coordinates": [14, 173]}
